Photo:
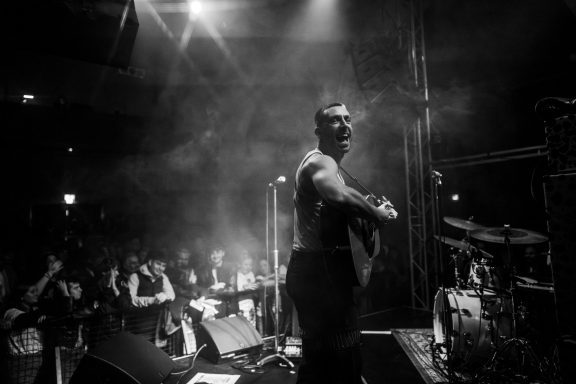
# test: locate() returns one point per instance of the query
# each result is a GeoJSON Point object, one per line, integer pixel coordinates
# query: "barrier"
{"type": "Point", "coordinates": [65, 341]}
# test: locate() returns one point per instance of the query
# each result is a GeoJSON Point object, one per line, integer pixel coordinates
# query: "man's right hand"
{"type": "Point", "coordinates": [387, 212]}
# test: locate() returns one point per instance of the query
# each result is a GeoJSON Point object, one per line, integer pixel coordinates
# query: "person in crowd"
{"type": "Point", "coordinates": [113, 292]}
{"type": "Point", "coordinates": [319, 279]}
{"type": "Point", "coordinates": [143, 254]}
{"type": "Point", "coordinates": [23, 316]}
{"type": "Point", "coordinates": [8, 276]}
{"type": "Point", "coordinates": [73, 310]}
{"type": "Point", "coordinates": [182, 275]}
{"type": "Point", "coordinates": [216, 274]}
{"type": "Point", "coordinates": [149, 285]}
{"type": "Point", "coordinates": [130, 264]}
{"type": "Point", "coordinates": [245, 281]}
{"type": "Point", "coordinates": [533, 265]}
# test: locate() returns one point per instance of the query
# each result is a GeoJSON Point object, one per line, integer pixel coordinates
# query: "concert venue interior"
{"type": "Point", "coordinates": [136, 132]}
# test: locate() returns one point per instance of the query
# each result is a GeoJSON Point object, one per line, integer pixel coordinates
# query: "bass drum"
{"type": "Point", "coordinates": [476, 324]}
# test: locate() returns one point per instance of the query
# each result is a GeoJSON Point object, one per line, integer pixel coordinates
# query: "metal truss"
{"type": "Point", "coordinates": [422, 216]}
{"type": "Point", "coordinates": [389, 67]}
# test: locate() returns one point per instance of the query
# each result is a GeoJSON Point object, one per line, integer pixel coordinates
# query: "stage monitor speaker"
{"type": "Point", "coordinates": [125, 358]}
{"type": "Point", "coordinates": [228, 338]}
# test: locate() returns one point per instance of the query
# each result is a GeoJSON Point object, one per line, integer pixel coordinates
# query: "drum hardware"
{"type": "Point", "coordinates": [467, 225]}
{"type": "Point", "coordinates": [501, 235]}
{"type": "Point", "coordinates": [487, 316]}
{"type": "Point", "coordinates": [442, 266]}
{"type": "Point", "coordinates": [464, 246]}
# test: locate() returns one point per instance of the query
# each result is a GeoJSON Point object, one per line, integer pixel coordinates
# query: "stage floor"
{"type": "Point", "coordinates": [393, 353]}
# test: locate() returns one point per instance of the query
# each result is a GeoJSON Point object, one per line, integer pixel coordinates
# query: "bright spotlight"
{"type": "Point", "coordinates": [30, 97]}
{"type": "Point", "coordinates": [69, 198]}
{"type": "Point", "coordinates": [455, 197]}
{"type": "Point", "coordinates": [195, 7]}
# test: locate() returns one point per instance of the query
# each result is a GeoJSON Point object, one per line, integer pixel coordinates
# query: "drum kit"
{"type": "Point", "coordinates": [480, 315]}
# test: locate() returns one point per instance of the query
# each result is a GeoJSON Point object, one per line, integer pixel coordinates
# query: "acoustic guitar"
{"type": "Point", "coordinates": [360, 236]}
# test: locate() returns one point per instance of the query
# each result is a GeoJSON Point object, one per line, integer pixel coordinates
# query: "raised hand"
{"type": "Point", "coordinates": [61, 285]}
{"type": "Point", "coordinates": [55, 267]}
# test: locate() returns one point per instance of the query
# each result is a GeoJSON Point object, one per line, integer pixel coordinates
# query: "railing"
{"type": "Point", "coordinates": [65, 341]}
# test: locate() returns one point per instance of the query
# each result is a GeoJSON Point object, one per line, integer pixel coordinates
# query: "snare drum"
{"type": "Point", "coordinates": [476, 324]}
{"type": "Point", "coordinates": [485, 276]}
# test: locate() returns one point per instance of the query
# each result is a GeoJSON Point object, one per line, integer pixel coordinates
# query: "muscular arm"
{"type": "Point", "coordinates": [323, 172]}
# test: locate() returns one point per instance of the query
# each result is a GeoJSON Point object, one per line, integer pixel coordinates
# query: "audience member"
{"type": "Point", "coordinates": [113, 292]}
{"type": "Point", "coordinates": [23, 316]}
{"type": "Point", "coordinates": [216, 274]}
{"type": "Point", "coordinates": [8, 276]}
{"type": "Point", "coordinates": [130, 264]}
{"type": "Point", "coordinates": [182, 275]}
{"type": "Point", "coordinates": [245, 281]}
{"type": "Point", "coordinates": [149, 285]}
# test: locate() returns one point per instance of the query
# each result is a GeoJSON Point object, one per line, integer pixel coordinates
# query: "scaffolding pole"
{"type": "Point", "coordinates": [422, 219]}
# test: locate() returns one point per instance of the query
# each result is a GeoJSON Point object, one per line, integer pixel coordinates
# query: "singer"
{"type": "Point", "coordinates": [319, 279]}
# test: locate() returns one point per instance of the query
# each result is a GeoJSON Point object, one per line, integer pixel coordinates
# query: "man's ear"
{"type": "Point", "coordinates": [317, 132]}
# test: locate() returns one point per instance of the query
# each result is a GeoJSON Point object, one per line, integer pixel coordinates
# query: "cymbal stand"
{"type": "Point", "coordinates": [518, 347]}
{"type": "Point", "coordinates": [277, 354]}
{"type": "Point", "coordinates": [441, 266]}
{"type": "Point", "coordinates": [507, 233]}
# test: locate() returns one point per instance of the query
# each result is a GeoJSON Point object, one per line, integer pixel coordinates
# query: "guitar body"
{"type": "Point", "coordinates": [365, 246]}
{"type": "Point", "coordinates": [357, 235]}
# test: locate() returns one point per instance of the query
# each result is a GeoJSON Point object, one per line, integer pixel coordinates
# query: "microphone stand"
{"type": "Point", "coordinates": [265, 294]}
{"type": "Point", "coordinates": [277, 355]}
{"type": "Point", "coordinates": [442, 266]}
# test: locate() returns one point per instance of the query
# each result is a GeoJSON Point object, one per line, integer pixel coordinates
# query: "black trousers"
{"type": "Point", "coordinates": [320, 284]}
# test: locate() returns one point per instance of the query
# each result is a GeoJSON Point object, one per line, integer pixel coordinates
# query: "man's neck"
{"type": "Point", "coordinates": [337, 156]}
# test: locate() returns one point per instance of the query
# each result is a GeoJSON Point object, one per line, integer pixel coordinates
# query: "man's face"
{"type": "Point", "coordinates": [51, 259]}
{"type": "Point", "coordinates": [182, 258]}
{"type": "Point", "coordinates": [131, 264]}
{"type": "Point", "coordinates": [335, 129]}
{"type": "Point", "coordinates": [264, 268]}
{"type": "Point", "coordinates": [31, 296]}
{"type": "Point", "coordinates": [75, 290]}
{"type": "Point", "coordinates": [156, 267]}
{"type": "Point", "coordinates": [216, 256]}
{"type": "Point", "coordinates": [530, 253]}
{"type": "Point", "coordinates": [246, 266]}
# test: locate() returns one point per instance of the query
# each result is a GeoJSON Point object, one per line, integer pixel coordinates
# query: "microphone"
{"type": "Point", "coordinates": [436, 174]}
{"type": "Point", "coordinates": [279, 180]}
{"type": "Point", "coordinates": [437, 177]}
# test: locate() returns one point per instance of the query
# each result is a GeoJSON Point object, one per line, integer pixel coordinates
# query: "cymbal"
{"type": "Point", "coordinates": [462, 245]}
{"type": "Point", "coordinates": [462, 224]}
{"type": "Point", "coordinates": [515, 235]}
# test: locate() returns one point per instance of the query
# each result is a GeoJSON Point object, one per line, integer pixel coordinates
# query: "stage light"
{"type": "Point", "coordinates": [195, 7]}
{"type": "Point", "coordinates": [69, 198]}
{"type": "Point", "coordinates": [455, 197]}
{"type": "Point", "coordinates": [28, 96]}
{"type": "Point", "coordinates": [70, 149]}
